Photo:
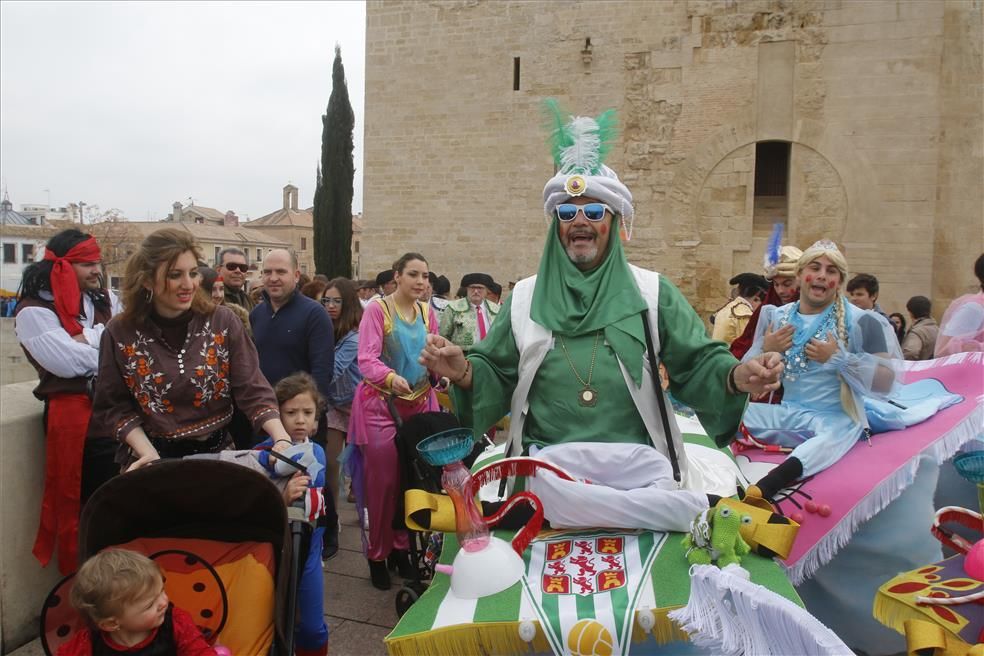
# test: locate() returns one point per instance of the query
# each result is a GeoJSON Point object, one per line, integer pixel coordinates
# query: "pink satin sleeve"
{"type": "Point", "coordinates": [371, 336]}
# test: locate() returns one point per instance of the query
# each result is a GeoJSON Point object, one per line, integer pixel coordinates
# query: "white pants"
{"type": "Point", "coordinates": [619, 486]}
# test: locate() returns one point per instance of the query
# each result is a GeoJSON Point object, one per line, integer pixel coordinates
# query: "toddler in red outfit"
{"type": "Point", "coordinates": [121, 595]}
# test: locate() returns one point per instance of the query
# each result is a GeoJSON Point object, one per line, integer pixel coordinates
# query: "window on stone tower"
{"type": "Point", "coordinates": [771, 186]}
{"type": "Point", "coordinates": [515, 73]}
{"type": "Point", "coordinates": [771, 168]}
{"type": "Point", "coordinates": [10, 253]}
{"type": "Point", "coordinates": [303, 243]}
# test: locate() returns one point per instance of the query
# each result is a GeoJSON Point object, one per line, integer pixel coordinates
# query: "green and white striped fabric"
{"type": "Point", "coordinates": [602, 576]}
{"type": "Point", "coordinates": [584, 592]}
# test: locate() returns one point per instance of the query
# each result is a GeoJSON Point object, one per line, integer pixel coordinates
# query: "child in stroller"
{"type": "Point", "coordinates": [218, 531]}
{"type": "Point", "coordinates": [121, 594]}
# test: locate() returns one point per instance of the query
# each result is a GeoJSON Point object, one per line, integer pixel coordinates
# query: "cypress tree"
{"type": "Point", "coordinates": [336, 175]}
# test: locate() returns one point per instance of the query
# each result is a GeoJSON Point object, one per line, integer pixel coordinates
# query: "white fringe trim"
{"type": "Point", "coordinates": [945, 361]}
{"type": "Point", "coordinates": [732, 616]}
{"type": "Point", "coordinates": [883, 494]}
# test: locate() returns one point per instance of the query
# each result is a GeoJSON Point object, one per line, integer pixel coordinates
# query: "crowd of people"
{"type": "Point", "coordinates": [191, 359]}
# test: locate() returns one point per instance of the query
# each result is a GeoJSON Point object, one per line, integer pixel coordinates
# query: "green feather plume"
{"type": "Point", "coordinates": [556, 126]}
{"type": "Point", "coordinates": [579, 144]}
{"type": "Point", "coordinates": [607, 132]}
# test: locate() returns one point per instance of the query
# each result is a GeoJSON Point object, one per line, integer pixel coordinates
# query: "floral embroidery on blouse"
{"type": "Point", "coordinates": [212, 378]}
{"type": "Point", "coordinates": [148, 386]}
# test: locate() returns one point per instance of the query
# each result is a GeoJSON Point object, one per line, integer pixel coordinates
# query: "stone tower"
{"type": "Point", "coordinates": [858, 121]}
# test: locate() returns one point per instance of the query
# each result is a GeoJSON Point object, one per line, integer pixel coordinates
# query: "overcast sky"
{"type": "Point", "coordinates": [136, 105]}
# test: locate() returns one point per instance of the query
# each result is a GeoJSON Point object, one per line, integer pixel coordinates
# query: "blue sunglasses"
{"type": "Point", "coordinates": [595, 212]}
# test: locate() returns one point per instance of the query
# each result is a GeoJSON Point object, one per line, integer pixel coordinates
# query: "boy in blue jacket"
{"type": "Point", "coordinates": [300, 405]}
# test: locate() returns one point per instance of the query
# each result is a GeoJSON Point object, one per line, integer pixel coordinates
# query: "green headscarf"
{"type": "Point", "coordinates": [572, 302]}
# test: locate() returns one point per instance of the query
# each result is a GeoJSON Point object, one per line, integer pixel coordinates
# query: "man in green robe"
{"type": "Point", "coordinates": [567, 356]}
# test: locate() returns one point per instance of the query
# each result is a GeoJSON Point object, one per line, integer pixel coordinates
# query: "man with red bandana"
{"type": "Point", "coordinates": [59, 319]}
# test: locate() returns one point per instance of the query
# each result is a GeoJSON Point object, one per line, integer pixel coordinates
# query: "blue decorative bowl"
{"type": "Point", "coordinates": [446, 447]}
{"type": "Point", "coordinates": [970, 465]}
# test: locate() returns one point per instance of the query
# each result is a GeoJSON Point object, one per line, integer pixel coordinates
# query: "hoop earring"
{"type": "Point", "coordinates": [150, 295]}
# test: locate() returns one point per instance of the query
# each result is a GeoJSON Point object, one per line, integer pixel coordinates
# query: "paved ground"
{"type": "Point", "coordinates": [359, 616]}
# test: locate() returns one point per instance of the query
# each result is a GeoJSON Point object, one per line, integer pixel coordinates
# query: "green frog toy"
{"type": "Point", "coordinates": [715, 537]}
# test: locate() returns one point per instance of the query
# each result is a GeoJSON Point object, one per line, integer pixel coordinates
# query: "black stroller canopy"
{"type": "Point", "coordinates": [184, 498]}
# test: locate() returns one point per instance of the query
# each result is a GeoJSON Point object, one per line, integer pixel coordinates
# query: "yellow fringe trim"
{"type": "Point", "coordinates": [664, 630]}
{"type": "Point", "coordinates": [904, 619]}
{"type": "Point", "coordinates": [460, 639]}
{"type": "Point", "coordinates": [503, 638]}
{"type": "Point", "coordinates": [893, 614]}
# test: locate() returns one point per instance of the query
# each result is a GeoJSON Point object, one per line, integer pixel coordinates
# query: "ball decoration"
{"type": "Point", "coordinates": [590, 638]}
{"type": "Point", "coordinates": [974, 562]}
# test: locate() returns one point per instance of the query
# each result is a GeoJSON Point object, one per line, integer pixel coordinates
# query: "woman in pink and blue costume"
{"type": "Point", "coordinates": [392, 334]}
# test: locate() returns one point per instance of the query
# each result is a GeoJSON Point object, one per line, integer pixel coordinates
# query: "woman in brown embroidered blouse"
{"type": "Point", "coordinates": [172, 365]}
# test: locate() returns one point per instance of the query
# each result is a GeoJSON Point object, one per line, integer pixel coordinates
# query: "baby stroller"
{"type": "Point", "coordinates": [415, 473]}
{"type": "Point", "coordinates": [220, 533]}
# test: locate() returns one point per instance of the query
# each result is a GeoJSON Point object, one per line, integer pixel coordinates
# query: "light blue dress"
{"type": "Point", "coordinates": [812, 419]}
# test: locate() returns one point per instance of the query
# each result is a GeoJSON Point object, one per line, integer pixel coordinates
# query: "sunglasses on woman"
{"type": "Point", "coordinates": [567, 212]}
{"type": "Point", "coordinates": [331, 301]}
{"type": "Point", "coordinates": [232, 266]}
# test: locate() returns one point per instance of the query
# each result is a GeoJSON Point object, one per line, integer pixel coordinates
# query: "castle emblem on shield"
{"type": "Point", "coordinates": [584, 567]}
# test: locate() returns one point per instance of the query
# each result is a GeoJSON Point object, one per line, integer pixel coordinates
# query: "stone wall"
{"type": "Point", "coordinates": [881, 101]}
{"type": "Point", "coordinates": [24, 584]}
{"type": "Point", "coordinates": [960, 173]}
{"type": "Point", "coordinates": [14, 367]}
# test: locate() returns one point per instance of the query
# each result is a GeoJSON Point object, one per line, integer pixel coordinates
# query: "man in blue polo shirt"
{"type": "Point", "coordinates": [292, 332]}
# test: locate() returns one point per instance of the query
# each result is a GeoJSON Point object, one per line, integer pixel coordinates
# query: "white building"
{"type": "Point", "coordinates": [21, 240]}
{"type": "Point", "coordinates": [42, 214]}
{"type": "Point", "coordinates": [36, 213]}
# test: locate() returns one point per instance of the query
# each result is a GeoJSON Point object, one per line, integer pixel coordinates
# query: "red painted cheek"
{"type": "Point", "coordinates": [831, 284]}
{"type": "Point", "coordinates": [603, 229]}
{"type": "Point", "coordinates": [809, 280]}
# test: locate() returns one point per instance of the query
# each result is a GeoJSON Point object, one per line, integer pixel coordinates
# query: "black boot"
{"type": "Point", "coordinates": [379, 575]}
{"type": "Point", "coordinates": [788, 471]}
{"type": "Point", "coordinates": [329, 541]}
{"type": "Point", "coordinates": [399, 562]}
{"type": "Point", "coordinates": [329, 546]}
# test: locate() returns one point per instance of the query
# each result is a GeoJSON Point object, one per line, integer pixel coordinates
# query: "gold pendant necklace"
{"type": "Point", "coordinates": [588, 395]}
